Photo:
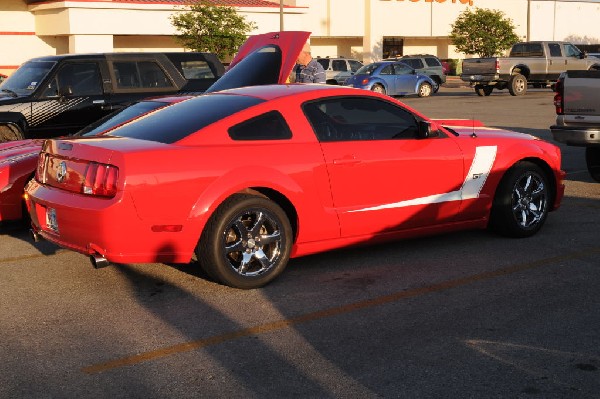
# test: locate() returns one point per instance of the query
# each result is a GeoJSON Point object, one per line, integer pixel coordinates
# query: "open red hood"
{"type": "Point", "coordinates": [263, 59]}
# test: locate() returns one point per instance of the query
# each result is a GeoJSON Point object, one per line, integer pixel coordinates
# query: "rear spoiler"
{"type": "Point", "coordinates": [459, 122]}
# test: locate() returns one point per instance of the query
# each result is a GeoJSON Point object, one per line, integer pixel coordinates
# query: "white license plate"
{"type": "Point", "coordinates": [51, 222]}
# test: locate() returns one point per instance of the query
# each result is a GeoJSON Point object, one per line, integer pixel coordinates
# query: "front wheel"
{"type": "Point", "coordinates": [592, 160]}
{"type": "Point", "coordinates": [517, 85]}
{"type": "Point", "coordinates": [424, 90]}
{"type": "Point", "coordinates": [246, 242]}
{"type": "Point", "coordinates": [521, 203]}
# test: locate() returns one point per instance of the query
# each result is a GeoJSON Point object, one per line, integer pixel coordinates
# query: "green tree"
{"type": "Point", "coordinates": [215, 29]}
{"type": "Point", "coordinates": [483, 32]}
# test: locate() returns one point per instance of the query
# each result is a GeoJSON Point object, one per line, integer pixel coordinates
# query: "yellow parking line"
{"type": "Point", "coordinates": [321, 314]}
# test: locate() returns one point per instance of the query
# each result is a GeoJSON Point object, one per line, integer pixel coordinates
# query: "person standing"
{"type": "Point", "coordinates": [308, 70]}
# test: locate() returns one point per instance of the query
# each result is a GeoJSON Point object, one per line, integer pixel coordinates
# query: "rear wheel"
{"type": "Point", "coordinates": [246, 243]}
{"type": "Point", "coordinates": [517, 85]}
{"type": "Point", "coordinates": [521, 203]}
{"type": "Point", "coordinates": [424, 90]}
{"type": "Point", "coordinates": [592, 160]}
{"type": "Point", "coordinates": [10, 133]}
{"type": "Point", "coordinates": [377, 88]}
{"type": "Point", "coordinates": [484, 90]}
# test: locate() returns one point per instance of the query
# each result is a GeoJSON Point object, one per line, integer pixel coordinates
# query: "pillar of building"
{"type": "Point", "coordinates": [91, 43]}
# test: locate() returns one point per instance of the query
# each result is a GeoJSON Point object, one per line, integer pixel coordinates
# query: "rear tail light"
{"type": "Point", "coordinates": [100, 179]}
{"type": "Point", "coordinates": [497, 66]}
{"type": "Point", "coordinates": [559, 97]}
{"type": "Point", "coordinates": [41, 167]}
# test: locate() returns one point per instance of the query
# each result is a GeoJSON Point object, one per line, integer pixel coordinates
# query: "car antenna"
{"type": "Point", "coordinates": [473, 134]}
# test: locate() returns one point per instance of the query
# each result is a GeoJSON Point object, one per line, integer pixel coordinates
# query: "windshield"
{"type": "Point", "coordinates": [121, 116]}
{"type": "Point", "coordinates": [27, 78]}
{"type": "Point", "coordinates": [367, 69]}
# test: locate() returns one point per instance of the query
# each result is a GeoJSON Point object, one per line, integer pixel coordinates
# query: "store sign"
{"type": "Point", "coordinates": [469, 2]}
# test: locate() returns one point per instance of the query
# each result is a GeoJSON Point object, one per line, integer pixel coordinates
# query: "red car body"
{"type": "Point", "coordinates": [18, 159]}
{"type": "Point", "coordinates": [245, 199]}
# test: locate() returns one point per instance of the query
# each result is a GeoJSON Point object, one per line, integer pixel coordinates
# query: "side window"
{"type": "Point", "coordinates": [432, 62]}
{"type": "Point", "coordinates": [197, 70]}
{"type": "Point", "coordinates": [152, 75]}
{"type": "Point", "coordinates": [269, 126]}
{"type": "Point", "coordinates": [402, 69]}
{"type": "Point", "coordinates": [555, 50]}
{"type": "Point", "coordinates": [387, 70]}
{"type": "Point", "coordinates": [517, 50]}
{"type": "Point", "coordinates": [126, 74]}
{"type": "Point", "coordinates": [415, 63]}
{"type": "Point", "coordinates": [324, 62]}
{"type": "Point", "coordinates": [572, 51]}
{"type": "Point", "coordinates": [140, 75]}
{"type": "Point", "coordinates": [359, 119]}
{"type": "Point", "coordinates": [76, 79]}
{"type": "Point", "coordinates": [340, 65]}
{"type": "Point", "coordinates": [354, 65]}
{"type": "Point", "coordinates": [533, 50]}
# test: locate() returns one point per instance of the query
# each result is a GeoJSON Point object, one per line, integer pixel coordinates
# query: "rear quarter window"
{"type": "Point", "coordinates": [432, 62]}
{"type": "Point", "coordinates": [269, 126]}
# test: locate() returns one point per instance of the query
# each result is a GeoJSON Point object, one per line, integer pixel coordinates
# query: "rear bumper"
{"type": "Point", "coordinates": [107, 227]}
{"type": "Point", "coordinates": [583, 136]}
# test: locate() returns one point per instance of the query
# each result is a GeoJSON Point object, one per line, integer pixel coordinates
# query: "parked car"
{"type": "Point", "coordinates": [58, 95]}
{"type": "Point", "coordinates": [338, 70]}
{"type": "Point", "coordinates": [392, 78]}
{"type": "Point", "coordinates": [18, 159]}
{"type": "Point", "coordinates": [426, 64]}
{"type": "Point", "coordinates": [578, 115]}
{"type": "Point", "coordinates": [538, 63]}
{"type": "Point", "coordinates": [243, 179]}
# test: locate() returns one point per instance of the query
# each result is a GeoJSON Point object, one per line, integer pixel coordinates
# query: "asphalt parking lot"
{"type": "Point", "coordinates": [462, 315]}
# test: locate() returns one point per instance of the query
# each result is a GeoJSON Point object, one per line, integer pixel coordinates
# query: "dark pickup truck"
{"type": "Point", "coordinates": [58, 95]}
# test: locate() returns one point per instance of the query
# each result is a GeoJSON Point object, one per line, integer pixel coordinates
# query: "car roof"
{"type": "Point", "coordinates": [269, 92]}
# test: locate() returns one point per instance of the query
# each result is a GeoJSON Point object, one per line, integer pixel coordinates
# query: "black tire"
{"type": "Point", "coordinates": [438, 83]}
{"type": "Point", "coordinates": [517, 85]}
{"type": "Point", "coordinates": [10, 133]}
{"type": "Point", "coordinates": [483, 90]}
{"type": "Point", "coordinates": [522, 201]}
{"type": "Point", "coordinates": [424, 90]}
{"type": "Point", "coordinates": [246, 242]}
{"type": "Point", "coordinates": [592, 160]}
{"type": "Point", "coordinates": [377, 88]}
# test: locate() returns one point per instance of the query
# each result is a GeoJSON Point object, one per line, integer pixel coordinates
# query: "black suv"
{"type": "Point", "coordinates": [58, 95]}
{"type": "Point", "coordinates": [426, 64]}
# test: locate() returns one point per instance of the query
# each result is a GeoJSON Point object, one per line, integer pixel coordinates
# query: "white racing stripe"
{"type": "Point", "coordinates": [474, 181]}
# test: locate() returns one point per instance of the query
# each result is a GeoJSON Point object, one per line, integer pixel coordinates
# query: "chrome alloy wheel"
{"type": "Point", "coordinates": [252, 242]}
{"type": "Point", "coordinates": [529, 200]}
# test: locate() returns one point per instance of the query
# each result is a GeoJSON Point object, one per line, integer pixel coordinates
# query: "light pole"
{"type": "Point", "coordinates": [281, 15]}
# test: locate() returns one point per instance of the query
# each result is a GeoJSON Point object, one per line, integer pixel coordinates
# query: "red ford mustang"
{"type": "Point", "coordinates": [246, 178]}
{"type": "Point", "coordinates": [18, 159]}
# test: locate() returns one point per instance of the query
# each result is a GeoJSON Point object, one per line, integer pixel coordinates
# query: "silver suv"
{"type": "Point", "coordinates": [426, 64]}
{"type": "Point", "coordinates": [338, 70]}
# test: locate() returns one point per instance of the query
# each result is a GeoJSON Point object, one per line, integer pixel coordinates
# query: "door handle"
{"type": "Point", "coordinates": [347, 160]}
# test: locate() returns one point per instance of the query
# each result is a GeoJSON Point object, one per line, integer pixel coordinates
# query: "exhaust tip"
{"type": "Point", "coordinates": [34, 235]}
{"type": "Point", "coordinates": [99, 261]}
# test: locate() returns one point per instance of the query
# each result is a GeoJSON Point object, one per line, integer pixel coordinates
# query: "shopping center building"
{"type": "Point", "coordinates": [363, 29]}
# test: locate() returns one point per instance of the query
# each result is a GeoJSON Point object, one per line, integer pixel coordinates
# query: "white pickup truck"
{"type": "Point", "coordinates": [537, 63]}
{"type": "Point", "coordinates": [577, 103]}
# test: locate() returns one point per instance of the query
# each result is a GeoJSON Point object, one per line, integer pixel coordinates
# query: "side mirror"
{"type": "Point", "coordinates": [65, 91]}
{"type": "Point", "coordinates": [426, 131]}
